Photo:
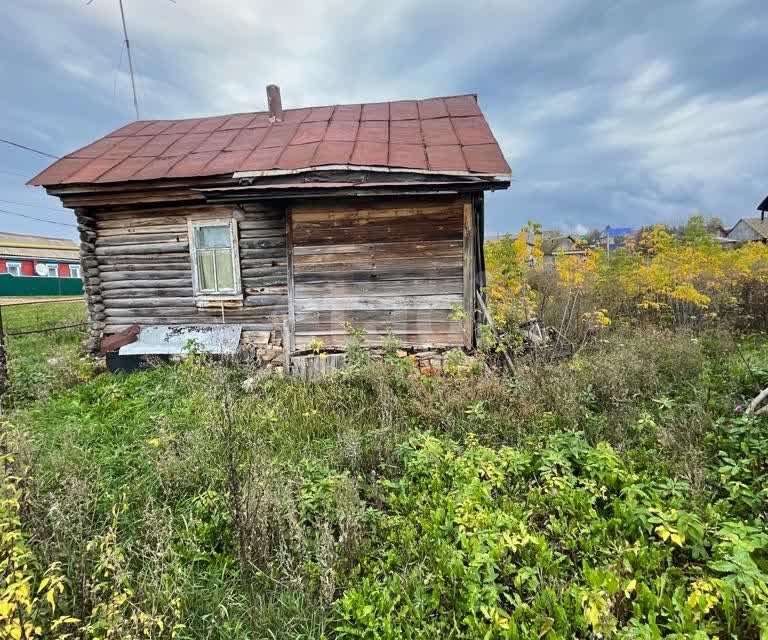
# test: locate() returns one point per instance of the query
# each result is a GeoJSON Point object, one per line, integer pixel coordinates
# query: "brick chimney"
{"type": "Point", "coordinates": [274, 103]}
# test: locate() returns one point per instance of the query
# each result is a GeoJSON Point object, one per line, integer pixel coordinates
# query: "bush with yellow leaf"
{"type": "Point", "coordinates": [688, 279]}
{"type": "Point", "coordinates": [29, 592]}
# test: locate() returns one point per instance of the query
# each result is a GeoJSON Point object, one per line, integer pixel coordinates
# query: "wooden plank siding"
{"type": "Point", "coordinates": [386, 265]}
{"type": "Point", "coordinates": [144, 267]}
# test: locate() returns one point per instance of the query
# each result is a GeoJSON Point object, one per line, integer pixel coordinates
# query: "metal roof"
{"type": "Point", "coordinates": [437, 135]}
{"type": "Point", "coordinates": [16, 245]}
{"type": "Point", "coordinates": [618, 232]}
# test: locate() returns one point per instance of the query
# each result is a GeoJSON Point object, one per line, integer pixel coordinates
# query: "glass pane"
{"type": "Point", "coordinates": [209, 237]}
{"type": "Point", "coordinates": [205, 271]}
{"type": "Point", "coordinates": [224, 273]}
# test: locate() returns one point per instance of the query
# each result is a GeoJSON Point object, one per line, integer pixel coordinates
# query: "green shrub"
{"type": "Point", "coordinates": [561, 539]}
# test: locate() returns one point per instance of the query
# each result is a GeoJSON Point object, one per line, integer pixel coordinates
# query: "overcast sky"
{"type": "Point", "coordinates": [609, 112]}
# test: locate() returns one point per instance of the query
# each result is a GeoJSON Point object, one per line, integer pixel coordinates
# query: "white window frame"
{"type": "Point", "coordinates": [237, 292]}
{"type": "Point", "coordinates": [16, 266]}
{"type": "Point", "coordinates": [55, 267]}
{"type": "Point", "coordinates": [77, 268]}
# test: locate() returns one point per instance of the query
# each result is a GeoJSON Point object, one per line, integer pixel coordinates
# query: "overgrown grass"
{"type": "Point", "coordinates": [40, 364]}
{"type": "Point", "coordinates": [182, 501]}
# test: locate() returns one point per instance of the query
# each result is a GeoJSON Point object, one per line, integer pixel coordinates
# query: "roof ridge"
{"type": "Point", "coordinates": [314, 106]}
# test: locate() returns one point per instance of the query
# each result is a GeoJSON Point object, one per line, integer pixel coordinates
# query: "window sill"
{"type": "Point", "coordinates": [215, 301]}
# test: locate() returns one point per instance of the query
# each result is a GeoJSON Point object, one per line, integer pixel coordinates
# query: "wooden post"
{"type": "Point", "coordinates": [469, 276]}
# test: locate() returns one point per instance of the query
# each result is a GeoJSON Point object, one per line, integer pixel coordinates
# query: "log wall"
{"type": "Point", "coordinates": [391, 265]}
{"type": "Point", "coordinates": [141, 263]}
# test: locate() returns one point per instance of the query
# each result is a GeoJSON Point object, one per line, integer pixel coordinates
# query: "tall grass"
{"type": "Point", "coordinates": [226, 509]}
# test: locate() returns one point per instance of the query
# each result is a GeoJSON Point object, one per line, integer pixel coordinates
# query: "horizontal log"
{"type": "Point", "coordinates": [149, 303]}
{"type": "Point", "coordinates": [275, 280]}
{"type": "Point", "coordinates": [143, 249]}
{"type": "Point", "coordinates": [124, 240]}
{"type": "Point", "coordinates": [147, 267]}
{"type": "Point", "coordinates": [258, 293]}
{"type": "Point", "coordinates": [362, 303]}
{"type": "Point", "coordinates": [148, 216]}
{"type": "Point", "coordinates": [250, 224]}
{"type": "Point", "coordinates": [144, 231]}
{"type": "Point", "coordinates": [267, 243]}
{"type": "Point", "coordinates": [163, 292]}
{"type": "Point", "coordinates": [276, 233]}
{"type": "Point", "coordinates": [262, 254]}
{"type": "Point", "coordinates": [167, 274]}
{"type": "Point", "coordinates": [130, 283]}
{"type": "Point", "coordinates": [131, 198]}
{"type": "Point", "coordinates": [256, 272]}
{"type": "Point", "coordinates": [189, 311]}
{"type": "Point", "coordinates": [265, 300]}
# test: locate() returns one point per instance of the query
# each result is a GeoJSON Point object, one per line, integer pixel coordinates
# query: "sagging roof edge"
{"type": "Point", "coordinates": [361, 167]}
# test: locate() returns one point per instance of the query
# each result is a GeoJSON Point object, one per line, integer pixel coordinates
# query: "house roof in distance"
{"type": "Point", "coordinates": [16, 245]}
{"type": "Point", "coordinates": [617, 232]}
{"type": "Point", "coordinates": [447, 135]}
{"type": "Point", "coordinates": [763, 206]}
{"type": "Point", "coordinates": [758, 225]}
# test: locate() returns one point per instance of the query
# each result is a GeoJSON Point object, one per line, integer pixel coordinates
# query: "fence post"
{"type": "Point", "coordinates": [3, 361]}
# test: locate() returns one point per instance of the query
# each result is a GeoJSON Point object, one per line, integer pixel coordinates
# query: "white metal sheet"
{"type": "Point", "coordinates": [162, 340]}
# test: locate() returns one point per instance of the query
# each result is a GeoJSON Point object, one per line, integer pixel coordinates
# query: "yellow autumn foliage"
{"type": "Point", "coordinates": [657, 276]}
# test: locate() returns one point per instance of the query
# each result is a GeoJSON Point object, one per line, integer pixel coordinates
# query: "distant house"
{"type": "Point", "coordinates": [554, 244]}
{"type": "Point", "coordinates": [615, 237]}
{"type": "Point", "coordinates": [749, 230]}
{"type": "Point", "coordinates": [37, 265]}
{"type": "Point", "coordinates": [752, 229]}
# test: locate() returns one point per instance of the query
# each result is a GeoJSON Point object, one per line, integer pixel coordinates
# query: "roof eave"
{"type": "Point", "coordinates": [361, 167]}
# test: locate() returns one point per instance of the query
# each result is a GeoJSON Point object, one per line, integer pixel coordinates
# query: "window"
{"type": "Point", "coordinates": [14, 268]}
{"type": "Point", "coordinates": [74, 271]}
{"type": "Point", "coordinates": [215, 260]}
{"type": "Point", "coordinates": [53, 270]}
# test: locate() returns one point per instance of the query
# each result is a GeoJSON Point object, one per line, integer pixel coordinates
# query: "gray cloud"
{"type": "Point", "coordinates": [623, 113]}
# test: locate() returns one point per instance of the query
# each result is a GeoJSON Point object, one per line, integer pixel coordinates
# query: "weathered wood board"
{"type": "Point", "coordinates": [395, 266]}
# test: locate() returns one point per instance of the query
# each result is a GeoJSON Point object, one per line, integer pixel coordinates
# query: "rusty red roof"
{"type": "Point", "coordinates": [445, 135]}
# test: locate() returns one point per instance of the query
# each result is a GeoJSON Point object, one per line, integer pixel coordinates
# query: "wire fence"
{"type": "Point", "coordinates": [31, 331]}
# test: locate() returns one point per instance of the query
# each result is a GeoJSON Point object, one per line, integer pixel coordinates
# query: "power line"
{"type": "Point", "coordinates": [21, 146]}
{"type": "Point", "coordinates": [130, 57]}
{"type": "Point", "coordinates": [13, 173]}
{"type": "Point", "coordinates": [24, 204]}
{"type": "Point", "coordinates": [21, 215]}
{"type": "Point", "coordinates": [130, 61]}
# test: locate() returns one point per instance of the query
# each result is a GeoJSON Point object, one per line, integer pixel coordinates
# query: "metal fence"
{"type": "Point", "coordinates": [21, 321]}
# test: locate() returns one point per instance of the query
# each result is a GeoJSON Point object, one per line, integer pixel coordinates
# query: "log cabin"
{"type": "Point", "coordinates": [290, 225]}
